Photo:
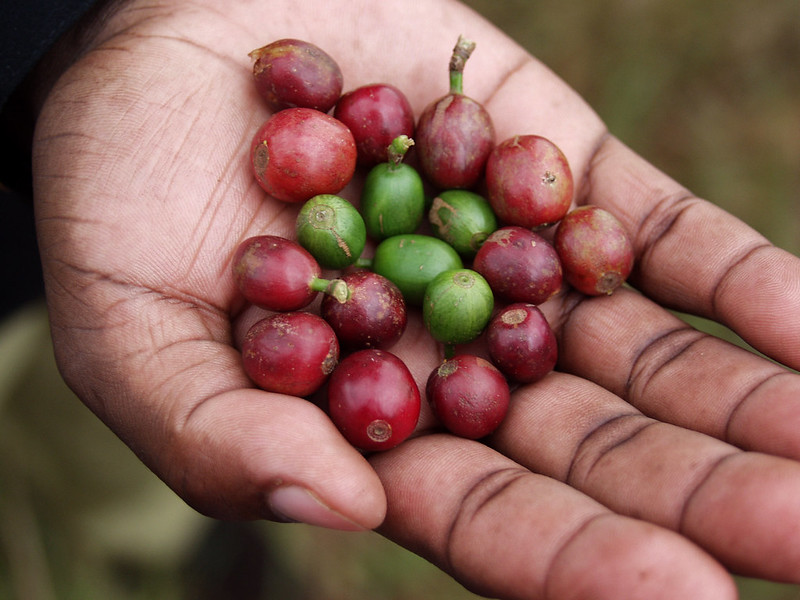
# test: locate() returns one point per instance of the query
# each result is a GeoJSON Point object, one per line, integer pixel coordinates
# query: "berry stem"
{"type": "Point", "coordinates": [449, 351]}
{"type": "Point", "coordinates": [397, 150]}
{"type": "Point", "coordinates": [333, 287]}
{"type": "Point", "coordinates": [462, 51]}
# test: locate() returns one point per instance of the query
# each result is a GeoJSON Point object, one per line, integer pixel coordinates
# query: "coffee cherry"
{"type": "Point", "coordinates": [290, 353]}
{"type": "Point", "coordinates": [332, 230]}
{"type": "Point", "coordinates": [520, 265]}
{"type": "Point", "coordinates": [455, 133]}
{"type": "Point", "coordinates": [468, 395]}
{"type": "Point", "coordinates": [278, 274]}
{"type": "Point", "coordinates": [393, 197]}
{"type": "Point", "coordinates": [373, 400]}
{"type": "Point", "coordinates": [595, 250]}
{"type": "Point", "coordinates": [373, 315]}
{"type": "Point", "coordinates": [463, 219]}
{"type": "Point", "coordinates": [376, 114]}
{"type": "Point", "coordinates": [292, 73]}
{"type": "Point", "coordinates": [529, 181]}
{"type": "Point", "coordinates": [521, 343]}
{"type": "Point", "coordinates": [301, 152]}
{"type": "Point", "coordinates": [412, 261]}
{"type": "Point", "coordinates": [457, 306]}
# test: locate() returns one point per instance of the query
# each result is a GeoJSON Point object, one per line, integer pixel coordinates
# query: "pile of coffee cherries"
{"type": "Point", "coordinates": [458, 235]}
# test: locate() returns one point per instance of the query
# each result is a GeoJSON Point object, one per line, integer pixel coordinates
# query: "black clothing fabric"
{"type": "Point", "coordinates": [28, 29]}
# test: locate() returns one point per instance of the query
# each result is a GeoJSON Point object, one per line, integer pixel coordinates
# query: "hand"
{"type": "Point", "coordinates": [655, 460]}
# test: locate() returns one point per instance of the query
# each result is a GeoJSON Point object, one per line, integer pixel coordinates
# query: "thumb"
{"type": "Point", "coordinates": [254, 454]}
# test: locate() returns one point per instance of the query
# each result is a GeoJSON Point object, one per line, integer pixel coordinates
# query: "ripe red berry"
{"type": "Point", "coordinates": [520, 265]}
{"type": "Point", "coordinates": [455, 133]}
{"type": "Point", "coordinates": [290, 353]}
{"type": "Point", "coordinates": [373, 400]}
{"type": "Point", "coordinates": [529, 181]}
{"type": "Point", "coordinates": [276, 273]}
{"type": "Point", "coordinates": [299, 153]}
{"type": "Point", "coordinates": [469, 395]}
{"type": "Point", "coordinates": [373, 314]}
{"type": "Point", "coordinates": [521, 343]}
{"type": "Point", "coordinates": [376, 114]}
{"type": "Point", "coordinates": [292, 73]}
{"type": "Point", "coordinates": [595, 250]}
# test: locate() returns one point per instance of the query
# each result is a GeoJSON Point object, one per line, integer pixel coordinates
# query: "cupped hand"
{"type": "Point", "coordinates": [656, 460]}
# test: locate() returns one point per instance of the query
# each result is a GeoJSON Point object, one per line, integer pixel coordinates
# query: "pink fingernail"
{"type": "Point", "coordinates": [292, 503]}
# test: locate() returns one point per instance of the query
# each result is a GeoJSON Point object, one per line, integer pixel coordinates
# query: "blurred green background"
{"type": "Point", "coordinates": [707, 91]}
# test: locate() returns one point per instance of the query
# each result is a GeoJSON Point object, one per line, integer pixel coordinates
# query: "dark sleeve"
{"type": "Point", "coordinates": [27, 30]}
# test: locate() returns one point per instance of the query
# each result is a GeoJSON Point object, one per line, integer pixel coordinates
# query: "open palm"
{"type": "Point", "coordinates": [646, 467]}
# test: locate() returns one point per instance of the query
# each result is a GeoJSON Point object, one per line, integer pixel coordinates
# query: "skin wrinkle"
{"type": "Point", "coordinates": [575, 535]}
{"type": "Point", "coordinates": [664, 216]}
{"type": "Point", "coordinates": [491, 489]}
{"type": "Point", "coordinates": [680, 526]}
{"type": "Point", "coordinates": [568, 477]}
{"type": "Point", "coordinates": [650, 371]}
{"type": "Point", "coordinates": [518, 67]}
{"type": "Point", "coordinates": [718, 289]}
{"type": "Point", "coordinates": [737, 406]}
{"type": "Point", "coordinates": [622, 440]}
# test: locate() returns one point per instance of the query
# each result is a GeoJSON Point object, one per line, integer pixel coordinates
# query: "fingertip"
{"type": "Point", "coordinates": [252, 455]}
{"type": "Point", "coordinates": [296, 504]}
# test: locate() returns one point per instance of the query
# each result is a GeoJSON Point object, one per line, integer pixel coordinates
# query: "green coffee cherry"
{"type": "Point", "coordinates": [411, 261]}
{"type": "Point", "coordinates": [332, 230]}
{"type": "Point", "coordinates": [463, 219]}
{"type": "Point", "coordinates": [393, 198]}
{"type": "Point", "coordinates": [457, 306]}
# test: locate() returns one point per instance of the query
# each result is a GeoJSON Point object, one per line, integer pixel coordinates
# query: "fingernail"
{"type": "Point", "coordinates": [294, 504]}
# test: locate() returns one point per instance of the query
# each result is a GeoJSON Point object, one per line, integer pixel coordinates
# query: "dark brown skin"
{"type": "Point", "coordinates": [469, 395]}
{"type": "Point", "coordinates": [376, 114]}
{"type": "Point", "coordinates": [290, 353]}
{"type": "Point", "coordinates": [521, 343]}
{"type": "Point", "coordinates": [529, 181]}
{"type": "Point", "coordinates": [373, 315]}
{"type": "Point", "coordinates": [299, 153]}
{"type": "Point", "coordinates": [595, 250]}
{"type": "Point", "coordinates": [292, 73]}
{"type": "Point", "coordinates": [520, 265]}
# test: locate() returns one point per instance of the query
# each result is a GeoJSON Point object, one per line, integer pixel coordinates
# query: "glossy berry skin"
{"type": "Point", "coordinates": [299, 153]}
{"type": "Point", "coordinates": [290, 353]}
{"type": "Point", "coordinates": [520, 265]}
{"type": "Point", "coordinates": [376, 114]}
{"type": "Point", "coordinates": [332, 230]}
{"type": "Point", "coordinates": [463, 219]}
{"type": "Point", "coordinates": [373, 400]}
{"type": "Point", "coordinates": [454, 137]}
{"type": "Point", "coordinates": [529, 182]}
{"type": "Point", "coordinates": [275, 273]}
{"type": "Point", "coordinates": [457, 306]}
{"type": "Point", "coordinates": [292, 73]}
{"type": "Point", "coordinates": [393, 200]}
{"type": "Point", "coordinates": [373, 316]}
{"type": "Point", "coordinates": [412, 261]}
{"type": "Point", "coordinates": [521, 343]}
{"type": "Point", "coordinates": [595, 250]}
{"type": "Point", "coordinates": [468, 395]}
